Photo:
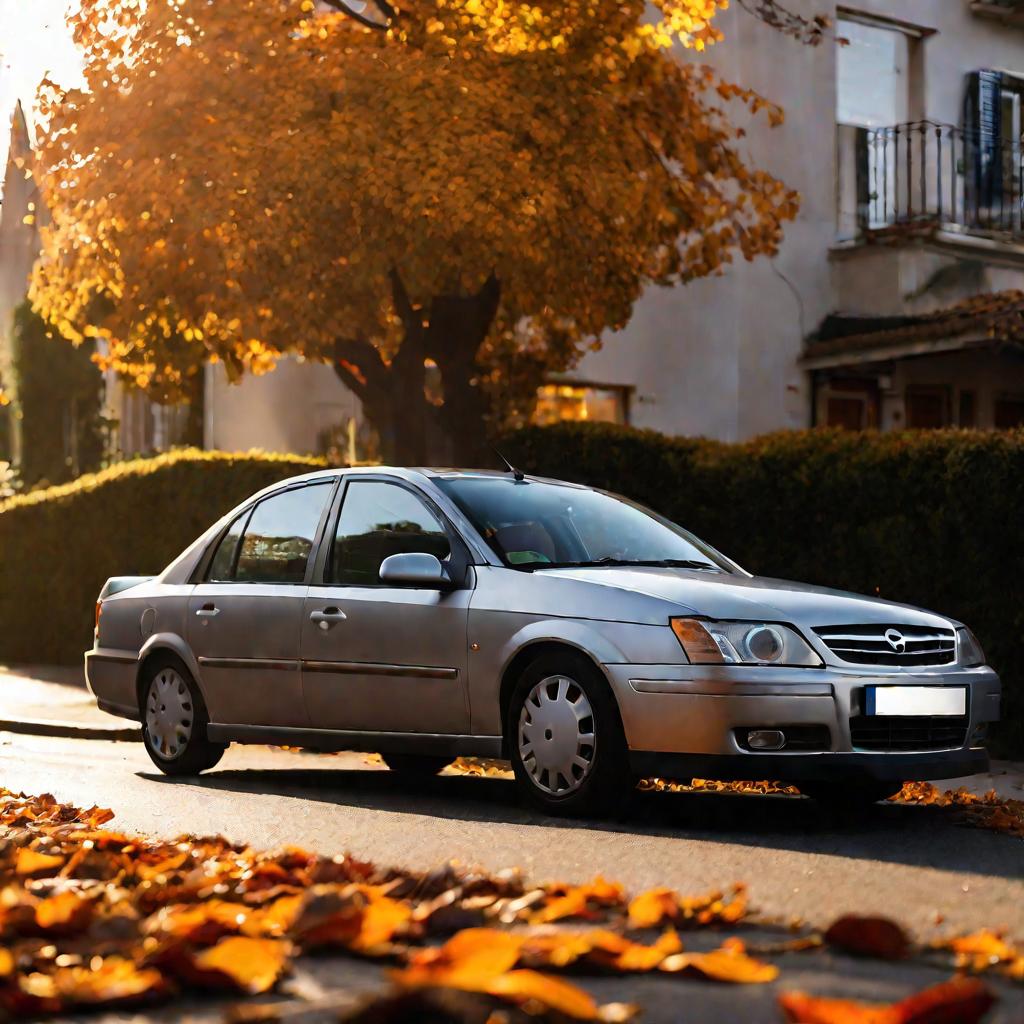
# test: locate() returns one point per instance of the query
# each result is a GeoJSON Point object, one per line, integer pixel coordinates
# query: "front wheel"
{"type": "Point", "coordinates": [565, 736]}
{"type": "Point", "coordinates": [174, 721]}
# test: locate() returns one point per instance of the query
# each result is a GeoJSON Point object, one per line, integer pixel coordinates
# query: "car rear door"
{"type": "Point", "coordinates": [244, 617]}
{"type": "Point", "coordinates": [378, 657]}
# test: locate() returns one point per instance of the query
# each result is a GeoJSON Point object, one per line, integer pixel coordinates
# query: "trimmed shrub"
{"type": "Point", "coordinates": [928, 518]}
{"type": "Point", "coordinates": [60, 544]}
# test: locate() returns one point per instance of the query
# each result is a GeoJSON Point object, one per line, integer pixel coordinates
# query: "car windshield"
{"type": "Point", "coordinates": [531, 524]}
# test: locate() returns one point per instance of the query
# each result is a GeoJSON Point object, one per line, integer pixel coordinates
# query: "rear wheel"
{"type": "Point", "coordinates": [416, 765]}
{"type": "Point", "coordinates": [851, 796]}
{"type": "Point", "coordinates": [174, 721]}
{"type": "Point", "coordinates": [565, 736]}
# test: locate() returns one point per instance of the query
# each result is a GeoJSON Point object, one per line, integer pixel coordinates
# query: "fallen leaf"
{"type": "Point", "coordinates": [869, 936]}
{"type": "Point", "coordinates": [381, 919]}
{"type": "Point", "coordinates": [959, 1001]}
{"type": "Point", "coordinates": [31, 862]}
{"type": "Point", "coordinates": [730, 963]}
{"type": "Point", "coordinates": [579, 901]}
{"type": "Point", "coordinates": [251, 965]}
{"type": "Point", "coordinates": [551, 992]}
{"type": "Point", "coordinates": [64, 914]}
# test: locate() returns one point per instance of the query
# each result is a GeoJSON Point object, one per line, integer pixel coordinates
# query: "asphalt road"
{"type": "Point", "coordinates": [911, 863]}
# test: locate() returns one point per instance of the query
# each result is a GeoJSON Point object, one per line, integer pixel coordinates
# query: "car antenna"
{"type": "Point", "coordinates": [518, 475]}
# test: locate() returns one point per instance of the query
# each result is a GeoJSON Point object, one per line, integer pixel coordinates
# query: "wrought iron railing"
{"type": "Point", "coordinates": [923, 174]}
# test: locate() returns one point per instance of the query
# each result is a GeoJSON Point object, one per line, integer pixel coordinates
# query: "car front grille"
{"type": "Point", "coordinates": [924, 732]}
{"type": "Point", "coordinates": [906, 646]}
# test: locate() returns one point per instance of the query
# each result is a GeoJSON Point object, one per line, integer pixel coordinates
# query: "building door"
{"type": "Point", "coordinates": [927, 408]}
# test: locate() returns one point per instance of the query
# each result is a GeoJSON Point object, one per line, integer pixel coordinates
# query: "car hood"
{"type": "Point", "coordinates": [726, 596]}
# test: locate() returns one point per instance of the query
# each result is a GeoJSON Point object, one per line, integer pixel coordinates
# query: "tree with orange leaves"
{"type": "Point", "coordinates": [482, 186]}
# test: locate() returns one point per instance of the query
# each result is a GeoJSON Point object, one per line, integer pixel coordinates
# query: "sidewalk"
{"type": "Point", "coordinates": [52, 700]}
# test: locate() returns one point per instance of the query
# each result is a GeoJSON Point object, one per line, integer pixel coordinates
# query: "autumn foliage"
{"type": "Point", "coordinates": [485, 186]}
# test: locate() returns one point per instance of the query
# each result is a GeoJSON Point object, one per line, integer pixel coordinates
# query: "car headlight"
{"type": "Point", "coordinates": [743, 643]}
{"type": "Point", "coordinates": [971, 654]}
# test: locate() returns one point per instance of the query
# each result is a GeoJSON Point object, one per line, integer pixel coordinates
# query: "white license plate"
{"type": "Point", "coordinates": [915, 700]}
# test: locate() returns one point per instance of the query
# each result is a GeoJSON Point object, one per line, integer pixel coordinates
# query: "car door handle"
{"type": "Point", "coordinates": [208, 611]}
{"type": "Point", "coordinates": [327, 617]}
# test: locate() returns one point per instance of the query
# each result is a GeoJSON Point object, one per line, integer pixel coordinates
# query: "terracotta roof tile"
{"type": "Point", "coordinates": [998, 316]}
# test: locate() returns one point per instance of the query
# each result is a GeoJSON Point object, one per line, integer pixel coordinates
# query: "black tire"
{"type": "Point", "coordinates": [851, 796]}
{"type": "Point", "coordinates": [197, 754]}
{"type": "Point", "coordinates": [416, 765]}
{"type": "Point", "coordinates": [605, 787]}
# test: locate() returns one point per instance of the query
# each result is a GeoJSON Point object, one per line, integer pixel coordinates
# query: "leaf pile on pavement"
{"type": "Point", "coordinates": [90, 917]}
{"type": "Point", "coordinates": [749, 788]}
{"type": "Point", "coordinates": [991, 811]}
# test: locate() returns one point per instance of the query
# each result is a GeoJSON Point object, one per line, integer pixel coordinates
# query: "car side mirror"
{"type": "Point", "coordinates": [415, 569]}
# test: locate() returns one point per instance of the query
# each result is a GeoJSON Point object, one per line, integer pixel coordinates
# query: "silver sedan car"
{"type": "Point", "coordinates": [427, 614]}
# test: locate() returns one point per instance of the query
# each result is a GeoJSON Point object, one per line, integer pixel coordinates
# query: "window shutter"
{"type": "Point", "coordinates": [983, 140]}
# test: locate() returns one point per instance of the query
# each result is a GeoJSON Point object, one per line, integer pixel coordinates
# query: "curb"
{"type": "Point", "coordinates": [71, 730]}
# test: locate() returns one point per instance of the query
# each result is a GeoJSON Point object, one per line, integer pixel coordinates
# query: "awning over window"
{"type": "Point", "coordinates": [983, 320]}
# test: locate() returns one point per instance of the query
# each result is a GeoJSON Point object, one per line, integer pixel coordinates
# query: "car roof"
{"type": "Point", "coordinates": [407, 473]}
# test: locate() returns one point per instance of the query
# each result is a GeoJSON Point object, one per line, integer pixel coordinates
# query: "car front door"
{"type": "Point", "coordinates": [379, 657]}
{"type": "Point", "coordinates": [244, 617]}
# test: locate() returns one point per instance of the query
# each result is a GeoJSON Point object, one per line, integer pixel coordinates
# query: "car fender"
{"type": "Point", "coordinates": [176, 645]}
{"type": "Point", "coordinates": [576, 633]}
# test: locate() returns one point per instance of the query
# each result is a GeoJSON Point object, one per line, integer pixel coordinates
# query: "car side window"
{"type": "Point", "coordinates": [378, 520]}
{"type": "Point", "coordinates": [278, 539]}
{"type": "Point", "coordinates": [222, 566]}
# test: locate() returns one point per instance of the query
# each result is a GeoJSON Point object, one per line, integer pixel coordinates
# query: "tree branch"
{"type": "Point", "coordinates": [359, 364]}
{"type": "Point", "coordinates": [411, 319]}
{"type": "Point", "coordinates": [807, 30]}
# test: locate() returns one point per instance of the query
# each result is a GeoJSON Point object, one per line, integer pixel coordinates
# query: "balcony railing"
{"type": "Point", "coordinates": [924, 175]}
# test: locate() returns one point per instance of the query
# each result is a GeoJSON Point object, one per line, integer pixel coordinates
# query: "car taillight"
{"type": "Point", "coordinates": [99, 611]}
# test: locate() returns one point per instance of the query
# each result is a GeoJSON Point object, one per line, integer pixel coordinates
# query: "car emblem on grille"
{"type": "Point", "coordinates": [896, 640]}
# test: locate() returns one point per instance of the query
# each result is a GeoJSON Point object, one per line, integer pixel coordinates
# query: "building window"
{"type": "Point", "coordinates": [1008, 412]}
{"type": "Point", "coordinates": [851, 403]}
{"type": "Point", "coordinates": [601, 403]}
{"type": "Point", "coordinates": [927, 408]}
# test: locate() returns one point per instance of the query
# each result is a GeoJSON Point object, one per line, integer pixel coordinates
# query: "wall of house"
{"type": "Point", "coordinates": [289, 410]}
{"type": "Point", "coordinates": [718, 357]}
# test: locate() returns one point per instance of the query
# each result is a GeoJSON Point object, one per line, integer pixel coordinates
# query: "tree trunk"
{"type": "Point", "coordinates": [458, 326]}
{"type": "Point", "coordinates": [413, 431]}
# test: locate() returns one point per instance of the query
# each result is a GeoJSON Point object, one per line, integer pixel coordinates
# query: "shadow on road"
{"type": "Point", "coordinates": [903, 834]}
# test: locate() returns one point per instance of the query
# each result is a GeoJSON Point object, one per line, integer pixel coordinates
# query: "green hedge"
{"type": "Point", "coordinates": [931, 518]}
{"type": "Point", "coordinates": [58, 545]}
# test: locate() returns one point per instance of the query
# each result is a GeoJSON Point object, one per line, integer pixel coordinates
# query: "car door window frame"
{"type": "Point", "coordinates": [202, 574]}
{"type": "Point", "coordinates": [458, 561]}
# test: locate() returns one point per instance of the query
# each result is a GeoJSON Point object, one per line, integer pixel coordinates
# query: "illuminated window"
{"type": "Point", "coordinates": [602, 404]}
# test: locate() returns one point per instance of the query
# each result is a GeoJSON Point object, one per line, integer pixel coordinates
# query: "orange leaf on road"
{"type": "Point", "coordinates": [730, 963]}
{"type": "Point", "coordinates": [959, 1001]}
{"type": "Point", "coordinates": [251, 965]}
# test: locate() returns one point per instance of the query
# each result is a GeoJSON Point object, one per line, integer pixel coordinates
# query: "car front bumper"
{"type": "Point", "coordinates": [685, 720]}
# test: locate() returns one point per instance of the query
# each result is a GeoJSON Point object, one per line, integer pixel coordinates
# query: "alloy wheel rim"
{"type": "Point", "coordinates": [169, 714]}
{"type": "Point", "coordinates": [557, 741]}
